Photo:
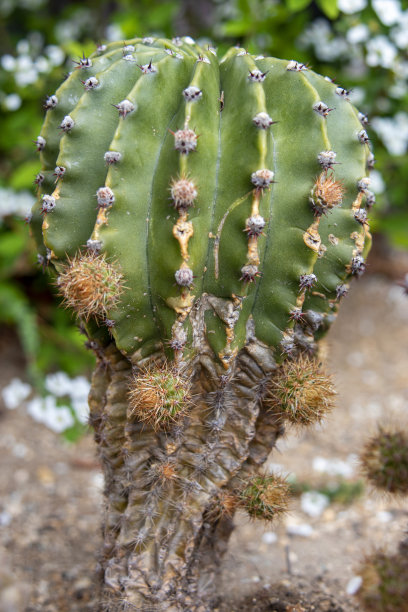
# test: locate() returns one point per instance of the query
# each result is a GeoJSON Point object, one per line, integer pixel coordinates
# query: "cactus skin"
{"type": "Point", "coordinates": [228, 194]}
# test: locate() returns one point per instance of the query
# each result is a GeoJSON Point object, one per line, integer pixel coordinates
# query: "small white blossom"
{"type": "Point", "coordinates": [393, 131]}
{"type": "Point", "coordinates": [358, 34]}
{"type": "Point", "coordinates": [36, 410]}
{"type": "Point", "coordinates": [80, 388]}
{"type": "Point", "coordinates": [399, 33]}
{"type": "Point", "coordinates": [388, 11]}
{"type": "Point", "coordinates": [15, 393]}
{"type": "Point", "coordinates": [15, 202]}
{"type": "Point", "coordinates": [8, 63]}
{"type": "Point", "coordinates": [45, 411]}
{"type": "Point", "coordinates": [12, 102]}
{"type": "Point", "coordinates": [320, 36]}
{"type": "Point", "coordinates": [381, 52]}
{"type": "Point", "coordinates": [42, 64]}
{"type": "Point", "coordinates": [351, 6]}
{"type": "Point", "coordinates": [81, 410]}
{"type": "Point", "coordinates": [58, 383]}
{"type": "Point", "coordinates": [377, 183]}
{"type": "Point", "coordinates": [55, 55]}
{"type": "Point", "coordinates": [57, 418]}
{"type": "Point", "coordinates": [23, 46]}
{"type": "Point", "coordinates": [114, 32]}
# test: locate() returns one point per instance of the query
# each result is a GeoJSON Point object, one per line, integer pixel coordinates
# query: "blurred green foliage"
{"type": "Point", "coordinates": [358, 43]}
{"type": "Point", "coordinates": [340, 491]}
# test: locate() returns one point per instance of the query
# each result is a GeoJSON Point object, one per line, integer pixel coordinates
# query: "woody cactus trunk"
{"type": "Point", "coordinates": [204, 217]}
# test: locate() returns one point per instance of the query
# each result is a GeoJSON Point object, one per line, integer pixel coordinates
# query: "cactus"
{"type": "Point", "coordinates": [384, 463]}
{"type": "Point", "coordinates": [385, 587]}
{"type": "Point", "coordinates": [384, 460]}
{"type": "Point", "coordinates": [204, 217]}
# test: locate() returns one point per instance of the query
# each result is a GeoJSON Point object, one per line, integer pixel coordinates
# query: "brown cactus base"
{"type": "Point", "coordinates": [171, 495]}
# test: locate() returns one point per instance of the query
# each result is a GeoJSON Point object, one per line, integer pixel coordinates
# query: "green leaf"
{"type": "Point", "coordinates": [23, 176]}
{"type": "Point", "coordinates": [329, 8]}
{"type": "Point", "coordinates": [12, 244]}
{"type": "Point", "coordinates": [297, 5]}
{"type": "Point", "coordinates": [16, 309]}
{"type": "Point", "coordinates": [236, 28]}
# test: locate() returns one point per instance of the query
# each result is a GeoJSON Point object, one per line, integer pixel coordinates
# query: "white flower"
{"type": "Point", "coordinates": [8, 62]}
{"type": "Point", "coordinates": [399, 33]}
{"type": "Point", "coordinates": [80, 387]}
{"type": "Point", "coordinates": [15, 202]}
{"type": "Point", "coordinates": [319, 35]}
{"type": "Point", "coordinates": [357, 95]}
{"type": "Point", "coordinates": [358, 34]}
{"type": "Point", "coordinates": [36, 409]}
{"type": "Point", "coordinates": [25, 73]}
{"type": "Point", "coordinates": [57, 418]}
{"type": "Point", "coordinates": [399, 89]}
{"type": "Point", "coordinates": [15, 392]}
{"type": "Point", "coordinates": [380, 52]}
{"type": "Point", "coordinates": [393, 131]}
{"type": "Point", "coordinates": [24, 62]}
{"type": "Point", "coordinates": [23, 46]}
{"type": "Point", "coordinates": [314, 503]}
{"type": "Point", "coordinates": [376, 182]}
{"type": "Point", "coordinates": [55, 55]}
{"type": "Point", "coordinates": [45, 410]}
{"type": "Point", "coordinates": [58, 384]}
{"type": "Point", "coordinates": [351, 6]}
{"type": "Point", "coordinates": [12, 102]}
{"type": "Point", "coordinates": [42, 64]}
{"type": "Point", "coordinates": [114, 32]}
{"type": "Point", "coordinates": [81, 409]}
{"type": "Point", "coordinates": [388, 11]}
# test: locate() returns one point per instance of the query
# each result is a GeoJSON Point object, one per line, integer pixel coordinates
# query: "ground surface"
{"type": "Point", "coordinates": [51, 492]}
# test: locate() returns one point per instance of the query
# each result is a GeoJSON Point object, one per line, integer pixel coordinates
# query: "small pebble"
{"type": "Point", "coordinates": [354, 585]}
{"type": "Point", "coordinates": [269, 537]}
{"type": "Point", "coordinates": [303, 530]}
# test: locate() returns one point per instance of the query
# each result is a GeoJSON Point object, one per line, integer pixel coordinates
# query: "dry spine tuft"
{"type": "Point", "coordinates": [265, 497]}
{"type": "Point", "coordinates": [300, 392]}
{"type": "Point", "coordinates": [159, 396]}
{"type": "Point", "coordinates": [90, 285]}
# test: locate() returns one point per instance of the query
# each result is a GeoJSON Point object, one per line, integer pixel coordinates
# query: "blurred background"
{"type": "Point", "coordinates": [361, 44]}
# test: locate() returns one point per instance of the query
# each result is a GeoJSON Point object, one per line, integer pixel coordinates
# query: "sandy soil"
{"type": "Point", "coordinates": [51, 492]}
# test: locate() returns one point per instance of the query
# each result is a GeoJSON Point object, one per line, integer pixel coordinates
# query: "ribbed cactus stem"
{"type": "Point", "coordinates": [204, 217]}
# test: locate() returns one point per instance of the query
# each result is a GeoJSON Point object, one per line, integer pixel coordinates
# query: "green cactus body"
{"type": "Point", "coordinates": [238, 275]}
{"type": "Point", "coordinates": [215, 208]}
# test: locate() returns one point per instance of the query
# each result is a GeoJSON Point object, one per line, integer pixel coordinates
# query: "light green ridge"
{"type": "Point", "coordinates": [300, 136]}
{"type": "Point", "coordinates": [143, 139]}
{"type": "Point", "coordinates": [81, 153]}
{"type": "Point", "coordinates": [343, 126]}
{"type": "Point", "coordinates": [200, 167]}
{"type": "Point", "coordinates": [244, 150]}
{"type": "Point", "coordinates": [68, 95]}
